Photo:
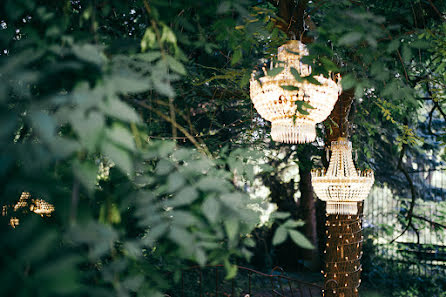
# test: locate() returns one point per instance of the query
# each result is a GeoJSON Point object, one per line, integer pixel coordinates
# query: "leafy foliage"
{"type": "Point", "coordinates": [128, 209]}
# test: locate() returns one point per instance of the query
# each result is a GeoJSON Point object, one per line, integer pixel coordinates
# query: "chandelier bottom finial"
{"type": "Point", "coordinates": [289, 132]}
{"type": "Point", "coordinates": [343, 208]}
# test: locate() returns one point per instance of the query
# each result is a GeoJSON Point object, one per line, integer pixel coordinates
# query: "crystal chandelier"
{"type": "Point", "coordinates": [342, 186]}
{"type": "Point", "coordinates": [278, 105]}
{"type": "Point", "coordinates": [42, 207]}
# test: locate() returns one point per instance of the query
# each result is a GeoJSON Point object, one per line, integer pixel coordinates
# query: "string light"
{"type": "Point", "coordinates": [342, 260]}
{"type": "Point", "coordinates": [275, 97]}
{"type": "Point", "coordinates": [342, 186]}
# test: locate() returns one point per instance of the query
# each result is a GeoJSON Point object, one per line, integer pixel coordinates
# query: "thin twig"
{"type": "Point", "coordinates": [201, 148]}
{"type": "Point", "coordinates": [430, 221]}
{"type": "Point", "coordinates": [399, 55]}
{"type": "Point", "coordinates": [409, 215]}
{"type": "Point", "coordinates": [435, 8]}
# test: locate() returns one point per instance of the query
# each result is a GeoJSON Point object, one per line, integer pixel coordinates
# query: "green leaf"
{"type": "Point", "coordinates": [406, 53]}
{"type": "Point", "coordinates": [183, 238]}
{"type": "Point", "coordinates": [420, 44]}
{"type": "Point", "coordinates": [183, 218]}
{"type": "Point", "coordinates": [300, 108]}
{"type": "Point", "coordinates": [200, 256]}
{"type": "Point", "coordinates": [275, 71]}
{"type": "Point", "coordinates": [133, 282]}
{"type": "Point", "coordinates": [149, 56]}
{"type": "Point", "coordinates": [300, 240]}
{"type": "Point", "coordinates": [280, 215]}
{"type": "Point", "coordinates": [312, 80]}
{"type": "Point", "coordinates": [120, 84]}
{"type": "Point", "coordinates": [231, 227]}
{"type": "Point", "coordinates": [87, 174]}
{"type": "Point", "coordinates": [120, 110]}
{"type": "Point", "coordinates": [155, 232]}
{"type": "Point", "coordinates": [293, 223]}
{"type": "Point", "coordinates": [148, 40]}
{"type": "Point", "coordinates": [175, 65]}
{"type": "Point", "coordinates": [296, 74]}
{"type": "Point", "coordinates": [231, 270]}
{"type": "Point", "coordinates": [236, 56]}
{"type": "Point", "coordinates": [359, 90]}
{"type": "Point", "coordinates": [289, 88]}
{"type": "Point", "coordinates": [164, 167]}
{"type": "Point", "coordinates": [213, 183]}
{"type": "Point", "coordinates": [119, 156]}
{"type": "Point", "coordinates": [163, 87]}
{"type": "Point", "coordinates": [89, 53]}
{"type": "Point", "coordinates": [175, 181]}
{"type": "Point", "coordinates": [121, 136]}
{"type": "Point", "coordinates": [350, 38]}
{"type": "Point", "coordinates": [185, 196]}
{"type": "Point", "coordinates": [307, 105]}
{"type": "Point", "coordinates": [280, 235]}
{"type": "Point", "coordinates": [211, 209]}
{"type": "Point", "coordinates": [329, 65]}
{"type": "Point", "coordinates": [348, 81]}
{"type": "Point", "coordinates": [223, 7]}
{"type": "Point", "coordinates": [233, 200]}
{"type": "Point", "coordinates": [44, 125]}
{"type": "Point", "coordinates": [168, 36]}
{"type": "Point", "coordinates": [393, 45]}
{"type": "Point", "coordinates": [89, 127]}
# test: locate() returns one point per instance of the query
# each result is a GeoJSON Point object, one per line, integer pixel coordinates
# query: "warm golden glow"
{"type": "Point", "coordinates": [41, 207]}
{"type": "Point", "coordinates": [38, 206]}
{"type": "Point", "coordinates": [278, 105]}
{"type": "Point", "coordinates": [342, 186]}
{"type": "Point", "coordinates": [23, 201]}
{"type": "Point", "coordinates": [13, 222]}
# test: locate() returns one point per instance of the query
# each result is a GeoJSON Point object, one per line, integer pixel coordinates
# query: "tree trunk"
{"type": "Point", "coordinates": [344, 232]}
{"type": "Point", "coordinates": [308, 207]}
{"type": "Point", "coordinates": [343, 255]}
{"type": "Point", "coordinates": [342, 258]}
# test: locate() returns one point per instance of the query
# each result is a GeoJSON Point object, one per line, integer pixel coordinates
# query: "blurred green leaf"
{"type": "Point", "coordinates": [300, 240]}
{"type": "Point", "coordinates": [280, 235]}
{"type": "Point", "coordinates": [275, 71]}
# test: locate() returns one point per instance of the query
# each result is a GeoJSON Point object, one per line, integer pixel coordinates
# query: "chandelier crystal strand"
{"type": "Point", "coordinates": [278, 105]}
{"type": "Point", "coordinates": [342, 186]}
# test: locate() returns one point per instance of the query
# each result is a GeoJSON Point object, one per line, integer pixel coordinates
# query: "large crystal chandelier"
{"type": "Point", "coordinates": [342, 186]}
{"type": "Point", "coordinates": [278, 105]}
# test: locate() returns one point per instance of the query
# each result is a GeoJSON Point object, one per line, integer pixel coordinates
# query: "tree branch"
{"type": "Point", "coordinates": [409, 215]}
{"type": "Point", "coordinates": [201, 148]}
{"type": "Point", "coordinates": [292, 14]}
{"type": "Point", "coordinates": [435, 102]}
{"type": "Point", "coordinates": [430, 221]}
{"type": "Point", "coordinates": [435, 8]}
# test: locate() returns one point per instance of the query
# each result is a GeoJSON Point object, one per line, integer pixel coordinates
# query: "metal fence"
{"type": "Point", "coordinates": [210, 281]}
{"type": "Point", "coordinates": [421, 249]}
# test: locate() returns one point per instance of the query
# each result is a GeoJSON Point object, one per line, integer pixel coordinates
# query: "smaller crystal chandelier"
{"type": "Point", "coordinates": [275, 97]}
{"type": "Point", "coordinates": [42, 207]}
{"type": "Point", "coordinates": [342, 186]}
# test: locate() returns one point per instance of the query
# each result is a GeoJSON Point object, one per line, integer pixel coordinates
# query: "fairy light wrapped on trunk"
{"type": "Point", "coordinates": [276, 98]}
{"type": "Point", "coordinates": [342, 186]}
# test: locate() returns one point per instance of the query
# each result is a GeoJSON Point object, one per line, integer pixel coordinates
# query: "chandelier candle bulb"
{"type": "Point", "coordinates": [342, 186]}
{"type": "Point", "coordinates": [276, 98]}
